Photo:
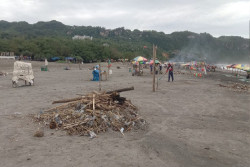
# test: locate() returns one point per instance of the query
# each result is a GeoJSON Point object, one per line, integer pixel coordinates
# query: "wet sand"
{"type": "Point", "coordinates": [192, 121]}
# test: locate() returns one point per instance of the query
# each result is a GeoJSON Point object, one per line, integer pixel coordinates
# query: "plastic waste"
{"type": "Point", "coordinates": [110, 72]}
{"type": "Point", "coordinates": [92, 134]}
{"type": "Point", "coordinates": [121, 130]}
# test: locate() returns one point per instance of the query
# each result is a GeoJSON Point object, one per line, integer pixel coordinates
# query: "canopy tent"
{"type": "Point", "coordinates": [156, 62]}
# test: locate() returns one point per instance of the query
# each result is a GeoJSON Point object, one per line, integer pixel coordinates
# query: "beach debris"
{"type": "Point", "coordinates": [92, 134]}
{"type": "Point", "coordinates": [67, 100]}
{"type": "Point", "coordinates": [121, 130]}
{"type": "Point", "coordinates": [39, 133]}
{"type": "Point", "coordinates": [94, 113]}
{"type": "Point", "coordinates": [236, 87]}
{"type": "Point", "coordinates": [3, 74]}
{"type": "Point", "coordinates": [52, 125]}
{"type": "Point", "coordinates": [179, 72]}
{"type": "Point", "coordinates": [17, 113]}
{"type": "Point", "coordinates": [207, 148]}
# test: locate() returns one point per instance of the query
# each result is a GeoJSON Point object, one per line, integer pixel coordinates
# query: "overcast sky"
{"type": "Point", "coordinates": [217, 17]}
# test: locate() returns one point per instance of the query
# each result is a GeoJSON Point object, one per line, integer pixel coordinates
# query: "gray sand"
{"type": "Point", "coordinates": [192, 122]}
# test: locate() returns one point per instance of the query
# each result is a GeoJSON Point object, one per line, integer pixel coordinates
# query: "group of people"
{"type": "Point", "coordinates": [170, 70]}
{"type": "Point", "coordinates": [158, 68]}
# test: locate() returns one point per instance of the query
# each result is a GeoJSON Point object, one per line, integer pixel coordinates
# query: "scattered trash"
{"type": "Point", "coordinates": [17, 113]}
{"type": "Point", "coordinates": [66, 68]}
{"type": "Point", "coordinates": [89, 116]}
{"type": "Point", "coordinates": [39, 133]}
{"type": "Point", "coordinates": [236, 87]}
{"type": "Point", "coordinates": [3, 73]}
{"type": "Point", "coordinates": [110, 72]}
{"type": "Point", "coordinates": [92, 134]}
{"type": "Point", "coordinates": [52, 125]}
{"type": "Point", "coordinates": [121, 130]}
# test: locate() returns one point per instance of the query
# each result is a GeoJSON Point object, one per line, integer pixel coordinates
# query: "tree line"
{"type": "Point", "coordinates": [54, 39]}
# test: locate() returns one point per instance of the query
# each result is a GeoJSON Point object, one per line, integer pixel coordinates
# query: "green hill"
{"type": "Point", "coordinates": [54, 39]}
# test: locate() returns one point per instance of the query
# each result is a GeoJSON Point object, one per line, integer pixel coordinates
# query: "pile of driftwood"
{"type": "Point", "coordinates": [236, 87]}
{"type": "Point", "coordinates": [94, 113]}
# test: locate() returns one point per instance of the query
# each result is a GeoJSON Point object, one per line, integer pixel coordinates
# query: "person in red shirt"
{"type": "Point", "coordinates": [170, 69]}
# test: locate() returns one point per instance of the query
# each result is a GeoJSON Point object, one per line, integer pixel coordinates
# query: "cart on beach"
{"type": "Point", "coordinates": [22, 71]}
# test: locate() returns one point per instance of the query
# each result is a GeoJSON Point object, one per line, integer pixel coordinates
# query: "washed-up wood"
{"type": "Point", "coordinates": [236, 87]}
{"type": "Point", "coordinates": [121, 90]}
{"type": "Point", "coordinates": [68, 100]}
{"type": "Point", "coordinates": [64, 106]}
{"type": "Point", "coordinates": [94, 113]}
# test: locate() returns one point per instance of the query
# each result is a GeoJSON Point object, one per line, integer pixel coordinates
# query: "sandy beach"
{"type": "Point", "coordinates": [193, 122]}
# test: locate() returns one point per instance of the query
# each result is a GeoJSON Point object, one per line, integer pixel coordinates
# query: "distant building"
{"type": "Point", "coordinates": [191, 37]}
{"type": "Point", "coordinates": [79, 37]}
{"type": "Point", "coordinates": [7, 55]}
{"type": "Point", "coordinates": [105, 44]}
{"type": "Point", "coordinates": [104, 33]}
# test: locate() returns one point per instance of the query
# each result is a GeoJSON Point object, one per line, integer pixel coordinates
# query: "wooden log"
{"type": "Point", "coordinates": [68, 100]}
{"type": "Point", "coordinates": [120, 90]}
{"type": "Point", "coordinates": [66, 105]}
{"type": "Point", "coordinates": [93, 102]}
{"type": "Point", "coordinates": [154, 57]}
{"type": "Point", "coordinates": [100, 77]}
{"type": "Point", "coordinates": [68, 126]}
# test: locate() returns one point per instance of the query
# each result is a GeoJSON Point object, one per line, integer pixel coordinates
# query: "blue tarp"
{"type": "Point", "coordinates": [55, 58]}
{"type": "Point", "coordinates": [95, 75]}
{"type": "Point", "coordinates": [69, 58]}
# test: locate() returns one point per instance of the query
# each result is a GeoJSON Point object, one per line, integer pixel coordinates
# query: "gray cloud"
{"type": "Point", "coordinates": [224, 17]}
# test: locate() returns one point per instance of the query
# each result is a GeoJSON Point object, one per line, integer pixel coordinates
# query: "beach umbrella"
{"type": "Point", "coordinates": [246, 68]}
{"type": "Point", "coordinates": [140, 58]}
{"type": "Point", "coordinates": [242, 66]}
{"type": "Point", "coordinates": [134, 62]}
{"type": "Point", "coordinates": [138, 62]}
{"type": "Point", "coordinates": [152, 62]}
{"type": "Point", "coordinates": [238, 66]}
{"type": "Point", "coordinates": [230, 66]}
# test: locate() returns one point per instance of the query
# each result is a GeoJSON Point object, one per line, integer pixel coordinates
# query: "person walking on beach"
{"type": "Point", "coordinates": [160, 68]}
{"type": "Point", "coordinates": [170, 73]}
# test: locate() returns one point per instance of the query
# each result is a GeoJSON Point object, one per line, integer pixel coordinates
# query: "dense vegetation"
{"type": "Point", "coordinates": [54, 39]}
